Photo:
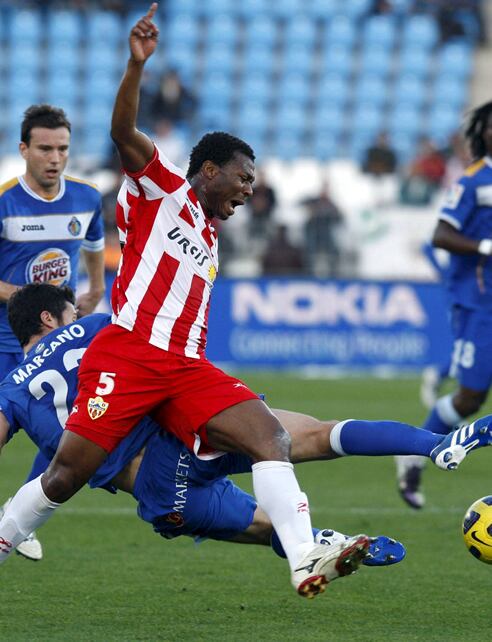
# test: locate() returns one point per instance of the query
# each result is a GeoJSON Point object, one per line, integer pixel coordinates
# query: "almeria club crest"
{"type": "Point", "coordinates": [96, 407]}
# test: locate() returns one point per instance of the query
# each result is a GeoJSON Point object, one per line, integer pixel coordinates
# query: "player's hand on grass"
{"type": "Point", "coordinates": [143, 36]}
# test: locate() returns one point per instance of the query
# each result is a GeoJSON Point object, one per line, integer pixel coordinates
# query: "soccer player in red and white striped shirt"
{"type": "Point", "coordinates": [151, 360]}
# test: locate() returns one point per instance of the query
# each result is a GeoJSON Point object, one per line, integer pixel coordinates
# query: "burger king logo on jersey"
{"type": "Point", "coordinates": [49, 266]}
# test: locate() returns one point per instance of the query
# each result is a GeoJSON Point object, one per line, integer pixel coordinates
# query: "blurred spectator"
{"type": "Point", "coordinates": [281, 257]}
{"type": "Point", "coordinates": [172, 100]}
{"type": "Point", "coordinates": [320, 234]}
{"type": "Point", "coordinates": [424, 175]}
{"type": "Point", "coordinates": [380, 159]}
{"type": "Point", "coordinates": [260, 207]}
{"type": "Point", "coordinates": [170, 141]}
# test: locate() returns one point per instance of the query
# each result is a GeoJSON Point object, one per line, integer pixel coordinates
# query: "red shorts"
{"type": "Point", "coordinates": [122, 378]}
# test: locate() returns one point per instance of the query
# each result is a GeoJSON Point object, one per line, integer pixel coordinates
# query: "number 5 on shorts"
{"type": "Point", "coordinates": [106, 383]}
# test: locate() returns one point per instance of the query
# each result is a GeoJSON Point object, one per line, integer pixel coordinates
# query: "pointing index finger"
{"type": "Point", "coordinates": [152, 10]}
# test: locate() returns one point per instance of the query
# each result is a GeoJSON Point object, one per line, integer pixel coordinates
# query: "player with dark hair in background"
{"type": "Point", "coordinates": [46, 219]}
{"type": "Point", "coordinates": [465, 231]}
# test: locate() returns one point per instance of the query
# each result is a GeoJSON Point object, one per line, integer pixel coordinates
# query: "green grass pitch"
{"type": "Point", "coordinates": [107, 577]}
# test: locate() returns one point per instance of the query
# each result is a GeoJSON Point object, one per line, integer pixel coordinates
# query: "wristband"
{"type": "Point", "coordinates": [485, 247]}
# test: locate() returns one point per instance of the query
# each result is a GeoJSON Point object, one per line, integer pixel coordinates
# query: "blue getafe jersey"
{"type": "Point", "coordinates": [40, 240]}
{"type": "Point", "coordinates": [38, 395]}
{"type": "Point", "coordinates": [468, 208]}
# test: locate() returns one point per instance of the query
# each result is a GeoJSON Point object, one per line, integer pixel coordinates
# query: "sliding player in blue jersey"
{"type": "Point", "coordinates": [46, 220]}
{"type": "Point", "coordinates": [465, 231]}
{"type": "Point", "coordinates": [177, 492]}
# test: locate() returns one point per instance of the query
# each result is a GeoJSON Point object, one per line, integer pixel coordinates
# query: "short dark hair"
{"type": "Point", "coordinates": [42, 116]}
{"type": "Point", "coordinates": [26, 304]}
{"type": "Point", "coordinates": [218, 147]}
{"type": "Point", "coordinates": [477, 121]}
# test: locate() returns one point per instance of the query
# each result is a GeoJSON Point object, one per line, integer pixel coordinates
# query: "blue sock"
{"type": "Point", "coordinates": [434, 423]}
{"type": "Point", "coordinates": [355, 437]}
{"type": "Point", "coordinates": [443, 417]}
{"type": "Point", "coordinates": [39, 465]}
{"type": "Point", "coordinates": [277, 546]}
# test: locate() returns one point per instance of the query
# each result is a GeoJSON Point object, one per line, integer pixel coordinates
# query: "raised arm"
{"type": "Point", "coordinates": [448, 238]}
{"type": "Point", "coordinates": [134, 147]}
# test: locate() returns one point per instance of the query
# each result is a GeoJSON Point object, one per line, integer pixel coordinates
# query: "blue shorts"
{"type": "Point", "coordinates": [471, 362]}
{"type": "Point", "coordinates": [182, 495]}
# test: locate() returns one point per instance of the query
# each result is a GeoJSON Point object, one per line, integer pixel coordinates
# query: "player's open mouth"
{"type": "Point", "coordinates": [233, 203]}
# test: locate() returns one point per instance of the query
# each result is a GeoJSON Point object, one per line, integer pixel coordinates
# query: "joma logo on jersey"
{"type": "Point", "coordinates": [32, 228]}
{"type": "Point", "coordinates": [187, 246]}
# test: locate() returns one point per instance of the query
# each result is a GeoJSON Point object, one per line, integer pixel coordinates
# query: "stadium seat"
{"type": "Point", "coordinates": [62, 85]}
{"type": "Point", "coordinates": [324, 147]}
{"type": "Point", "coordinates": [99, 85]}
{"type": "Point", "coordinates": [455, 58]}
{"type": "Point", "coordinates": [290, 117]}
{"type": "Point", "coordinates": [420, 31]}
{"type": "Point", "coordinates": [222, 29]}
{"type": "Point", "coordinates": [328, 120]}
{"type": "Point", "coordinates": [253, 115]}
{"type": "Point", "coordinates": [25, 27]}
{"type": "Point", "coordinates": [261, 31]}
{"type": "Point", "coordinates": [300, 30]}
{"type": "Point", "coordinates": [63, 56]}
{"type": "Point", "coordinates": [409, 89]}
{"type": "Point", "coordinates": [182, 30]}
{"type": "Point", "coordinates": [405, 146]}
{"type": "Point", "coordinates": [251, 8]}
{"type": "Point", "coordinates": [449, 89]}
{"type": "Point", "coordinates": [297, 59]}
{"type": "Point", "coordinates": [96, 142]}
{"type": "Point", "coordinates": [443, 121]}
{"type": "Point", "coordinates": [22, 86]}
{"type": "Point", "coordinates": [286, 9]}
{"type": "Point", "coordinates": [105, 58]}
{"type": "Point", "coordinates": [216, 86]}
{"type": "Point", "coordinates": [372, 90]}
{"type": "Point", "coordinates": [405, 119]}
{"type": "Point", "coordinates": [215, 116]}
{"type": "Point", "coordinates": [104, 27]}
{"type": "Point", "coordinates": [340, 30]}
{"type": "Point", "coordinates": [379, 30]}
{"type": "Point", "coordinates": [219, 57]}
{"type": "Point", "coordinates": [332, 89]}
{"type": "Point", "coordinates": [415, 61]}
{"type": "Point", "coordinates": [256, 87]}
{"type": "Point", "coordinates": [356, 8]}
{"type": "Point", "coordinates": [322, 10]}
{"type": "Point", "coordinates": [366, 121]}
{"type": "Point", "coordinates": [294, 88]}
{"type": "Point", "coordinates": [261, 59]}
{"type": "Point", "coordinates": [376, 59]}
{"type": "Point", "coordinates": [183, 60]}
{"type": "Point", "coordinates": [288, 146]}
{"type": "Point", "coordinates": [215, 7]}
{"type": "Point", "coordinates": [64, 27]}
{"type": "Point", "coordinates": [338, 59]}
{"type": "Point", "coordinates": [24, 56]}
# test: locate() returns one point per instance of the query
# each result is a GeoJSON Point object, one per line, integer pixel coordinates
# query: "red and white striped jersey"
{"type": "Point", "coordinates": [169, 261]}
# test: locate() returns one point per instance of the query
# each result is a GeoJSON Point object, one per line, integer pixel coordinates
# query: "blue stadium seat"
{"type": "Point", "coordinates": [367, 121]}
{"type": "Point", "coordinates": [95, 141]}
{"type": "Point", "coordinates": [338, 59]}
{"type": "Point", "coordinates": [290, 117]}
{"type": "Point", "coordinates": [222, 29]}
{"type": "Point", "coordinates": [216, 86]}
{"type": "Point", "coordinates": [184, 60]}
{"type": "Point", "coordinates": [300, 30]}
{"type": "Point", "coordinates": [420, 31]}
{"type": "Point", "coordinates": [261, 31]}
{"type": "Point", "coordinates": [252, 114]}
{"type": "Point", "coordinates": [25, 27]}
{"type": "Point", "coordinates": [24, 55]}
{"type": "Point", "coordinates": [323, 10]}
{"type": "Point", "coordinates": [456, 58]}
{"type": "Point", "coordinates": [214, 7]}
{"type": "Point", "coordinates": [215, 116]}
{"type": "Point", "coordinates": [99, 85]}
{"type": "Point", "coordinates": [251, 8]}
{"type": "Point", "coordinates": [219, 57]}
{"type": "Point", "coordinates": [332, 89]}
{"type": "Point", "coordinates": [449, 89]}
{"type": "Point", "coordinates": [379, 30]}
{"type": "Point", "coordinates": [406, 120]}
{"type": "Point", "coordinates": [104, 57]}
{"type": "Point", "coordinates": [288, 146]}
{"type": "Point", "coordinates": [415, 61]}
{"type": "Point", "coordinates": [371, 89]}
{"type": "Point", "coordinates": [256, 87]}
{"type": "Point", "coordinates": [410, 89]}
{"type": "Point", "coordinates": [376, 59]}
{"type": "Point", "coordinates": [298, 59]}
{"type": "Point", "coordinates": [261, 59]}
{"type": "Point", "coordinates": [105, 27]}
{"type": "Point", "coordinates": [63, 56]}
{"type": "Point", "coordinates": [294, 88]}
{"type": "Point", "coordinates": [62, 85]}
{"type": "Point", "coordinates": [356, 8]}
{"type": "Point", "coordinates": [405, 146]}
{"type": "Point", "coordinates": [287, 8]}
{"type": "Point", "coordinates": [64, 26]}
{"type": "Point", "coordinates": [182, 30]}
{"type": "Point", "coordinates": [22, 86]}
{"type": "Point", "coordinates": [443, 121]}
{"type": "Point", "coordinates": [329, 120]}
{"type": "Point", "coordinates": [340, 30]}
{"type": "Point", "coordinates": [325, 147]}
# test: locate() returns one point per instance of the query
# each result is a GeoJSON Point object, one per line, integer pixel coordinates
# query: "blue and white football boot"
{"type": "Point", "coordinates": [382, 550]}
{"type": "Point", "coordinates": [455, 446]}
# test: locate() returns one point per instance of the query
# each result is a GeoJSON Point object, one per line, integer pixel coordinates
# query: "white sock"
{"type": "Point", "coordinates": [447, 412]}
{"type": "Point", "coordinates": [278, 494]}
{"type": "Point", "coordinates": [28, 510]}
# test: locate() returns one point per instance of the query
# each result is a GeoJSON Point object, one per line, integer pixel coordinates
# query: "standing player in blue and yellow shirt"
{"type": "Point", "coordinates": [465, 231]}
{"type": "Point", "coordinates": [46, 219]}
